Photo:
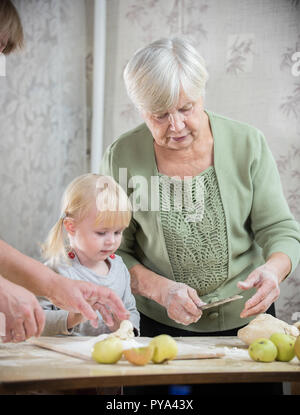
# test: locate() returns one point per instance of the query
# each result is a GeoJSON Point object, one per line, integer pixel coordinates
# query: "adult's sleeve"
{"type": "Point", "coordinates": [275, 228]}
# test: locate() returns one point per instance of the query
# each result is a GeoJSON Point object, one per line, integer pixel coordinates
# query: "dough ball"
{"type": "Point", "coordinates": [264, 325]}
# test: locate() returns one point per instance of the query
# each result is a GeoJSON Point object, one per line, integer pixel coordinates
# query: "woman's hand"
{"type": "Point", "coordinates": [181, 301]}
{"type": "Point", "coordinates": [86, 297]}
{"type": "Point", "coordinates": [23, 313]}
{"type": "Point", "coordinates": [265, 279]}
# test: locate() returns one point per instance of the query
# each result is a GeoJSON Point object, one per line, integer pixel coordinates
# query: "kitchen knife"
{"type": "Point", "coordinates": [225, 300]}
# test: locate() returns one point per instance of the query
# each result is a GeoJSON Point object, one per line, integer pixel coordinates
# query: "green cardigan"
{"type": "Point", "coordinates": [258, 219]}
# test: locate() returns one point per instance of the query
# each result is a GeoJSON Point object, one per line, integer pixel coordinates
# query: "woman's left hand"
{"type": "Point", "coordinates": [265, 279]}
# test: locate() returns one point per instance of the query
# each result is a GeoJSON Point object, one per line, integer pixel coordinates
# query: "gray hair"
{"type": "Point", "coordinates": [156, 73]}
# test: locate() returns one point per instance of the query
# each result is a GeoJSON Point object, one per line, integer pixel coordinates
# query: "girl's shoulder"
{"type": "Point", "coordinates": [118, 263]}
{"type": "Point", "coordinates": [59, 267]}
{"type": "Point", "coordinates": [117, 260]}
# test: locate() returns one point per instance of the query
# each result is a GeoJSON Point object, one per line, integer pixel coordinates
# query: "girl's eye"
{"type": "Point", "coordinates": [100, 233]}
{"type": "Point", "coordinates": [118, 233]}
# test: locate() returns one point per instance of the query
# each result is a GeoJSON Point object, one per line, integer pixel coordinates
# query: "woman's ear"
{"type": "Point", "coordinates": [70, 226]}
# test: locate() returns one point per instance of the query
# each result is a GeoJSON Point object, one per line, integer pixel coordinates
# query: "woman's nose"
{"type": "Point", "coordinates": [176, 122]}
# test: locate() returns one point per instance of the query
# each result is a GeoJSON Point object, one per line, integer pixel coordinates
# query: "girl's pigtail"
{"type": "Point", "coordinates": [54, 247]}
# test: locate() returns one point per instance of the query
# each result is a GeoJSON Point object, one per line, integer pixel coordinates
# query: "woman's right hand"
{"type": "Point", "coordinates": [23, 313]}
{"type": "Point", "coordinates": [181, 301]}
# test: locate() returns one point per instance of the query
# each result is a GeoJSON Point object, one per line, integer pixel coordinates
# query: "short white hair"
{"type": "Point", "coordinates": [156, 73]}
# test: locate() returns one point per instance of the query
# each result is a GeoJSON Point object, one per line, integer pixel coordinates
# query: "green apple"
{"type": "Point", "coordinates": [139, 356]}
{"type": "Point", "coordinates": [285, 346]}
{"type": "Point", "coordinates": [165, 348]}
{"type": "Point", "coordinates": [108, 351]}
{"type": "Point", "coordinates": [262, 350]}
{"type": "Point", "coordinates": [297, 347]}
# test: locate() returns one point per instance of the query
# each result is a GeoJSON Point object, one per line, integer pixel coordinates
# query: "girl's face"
{"type": "Point", "coordinates": [92, 243]}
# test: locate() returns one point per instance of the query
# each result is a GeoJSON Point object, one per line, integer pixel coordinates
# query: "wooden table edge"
{"type": "Point", "coordinates": [147, 379]}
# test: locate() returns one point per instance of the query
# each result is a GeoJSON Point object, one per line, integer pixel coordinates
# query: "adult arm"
{"type": "Point", "coordinates": [76, 296]}
{"type": "Point", "coordinates": [24, 317]}
{"type": "Point", "coordinates": [274, 229]}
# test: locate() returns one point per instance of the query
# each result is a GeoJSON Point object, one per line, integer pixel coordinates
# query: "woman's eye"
{"type": "Point", "coordinates": [161, 117]}
{"type": "Point", "coordinates": [185, 109]}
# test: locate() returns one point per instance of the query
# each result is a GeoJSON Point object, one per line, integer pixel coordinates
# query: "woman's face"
{"type": "Point", "coordinates": [179, 127]}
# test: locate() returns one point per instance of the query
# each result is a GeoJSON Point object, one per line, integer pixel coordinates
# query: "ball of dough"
{"type": "Point", "coordinates": [264, 325]}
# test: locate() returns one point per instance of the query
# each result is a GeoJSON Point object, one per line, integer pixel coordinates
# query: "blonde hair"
{"type": "Point", "coordinates": [80, 197]}
{"type": "Point", "coordinates": [156, 73]}
{"type": "Point", "coordinates": [10, 27]}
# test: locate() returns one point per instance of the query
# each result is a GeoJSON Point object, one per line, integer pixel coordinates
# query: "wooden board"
{"type": "Point", "coordinates": [66, 345]}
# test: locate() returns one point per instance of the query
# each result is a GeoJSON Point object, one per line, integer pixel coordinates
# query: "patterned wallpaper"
{"type": "Point", "coordinates": [249, 49]}
{"type": "Point", "coordinates": [46, 95]}
{"type": "Point", "coordinates": [42, 120]}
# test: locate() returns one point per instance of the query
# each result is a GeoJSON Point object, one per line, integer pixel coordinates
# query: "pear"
{"type": "Point", "coordinates": [139, 356]}
{"type": "Point", "coordinates": [262, 350]}
{"type": "Point", "coordinates": [297, 347]}
{"type": "Point", "coordinates": [165, 348]}
{"type": "Point", "coordinates": [285, 346]}
{"type": "Point", "coordinates": [108, 351]}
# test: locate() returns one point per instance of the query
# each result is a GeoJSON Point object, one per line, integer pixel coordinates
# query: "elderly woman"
{"type": "Point", "coordinates": [222, 227]}
{"type": "Point", "coordinates": [241, 235]}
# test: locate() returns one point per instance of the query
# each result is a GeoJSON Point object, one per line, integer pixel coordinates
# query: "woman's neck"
{"type": "Point", "coordinates": [186, 162]}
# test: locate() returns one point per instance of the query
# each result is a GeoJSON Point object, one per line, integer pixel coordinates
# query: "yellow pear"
{"type": "Point", "coordinates": [297, 347]}
{"type": "Point", "coordinates": [285, 346]}
{"type": "Point", "coordinates": [108, 351]}
{"type": "Point", "coordinates": [262, 350]}
{"type": "Point", "coordinates": [165, 348]}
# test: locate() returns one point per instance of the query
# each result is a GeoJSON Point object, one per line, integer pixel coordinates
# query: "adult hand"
{"type": "Point", "coordinates": [265, 280]}
{"type": "Point", "coordinates": [85, 297]}
{"type": "Point", "coordinates": [23, 314]}
{"type": "Point", "coordinates": [181, 301]}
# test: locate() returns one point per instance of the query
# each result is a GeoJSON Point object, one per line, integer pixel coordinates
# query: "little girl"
{"type": "Point", "coordinates": [81, 245]}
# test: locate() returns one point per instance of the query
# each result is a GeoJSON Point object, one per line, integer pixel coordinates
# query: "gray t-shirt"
{"type": "Point", "coordinates": [117, 279]}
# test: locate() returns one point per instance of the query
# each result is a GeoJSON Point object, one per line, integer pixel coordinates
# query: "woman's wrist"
{"type": "Point", "coordinates": [280, 264]}
{"type": "Point", "coordinates": [147, 283]}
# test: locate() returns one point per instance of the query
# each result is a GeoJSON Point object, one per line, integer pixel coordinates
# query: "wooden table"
{"type": "Point", "coordinates": [25, 367]}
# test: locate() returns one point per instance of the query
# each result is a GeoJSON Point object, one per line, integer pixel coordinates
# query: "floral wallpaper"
{"type": "Point", "coordinates": [42, 120]}
{"type": "Point", "coordinates": [46, 95]}
{"type": "Point", "coordinates": [249, 49]}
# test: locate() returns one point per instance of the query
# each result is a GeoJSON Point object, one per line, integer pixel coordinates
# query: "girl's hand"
{"type": "Point", "coordinates": [116, 324]}
{"type": "Point", "coordinates": [265, 279]}
{"type": "Point", "coordinates": [74, 319]}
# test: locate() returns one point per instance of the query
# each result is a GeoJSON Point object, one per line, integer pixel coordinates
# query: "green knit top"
{"type": "Point", "coordinates": [194, 228]}
{"type": "Point", "coordinates": [258, 220]}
